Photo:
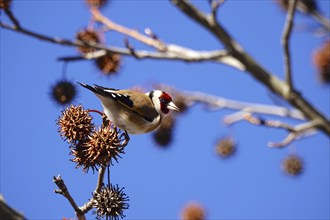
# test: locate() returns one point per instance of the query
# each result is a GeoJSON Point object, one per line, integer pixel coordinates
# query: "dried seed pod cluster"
{"type": "Point", "coordinates": [90, 147]}
{"type": "Point", "coordinates": [110, 202]}
{"type": "Point", "coordinates": [63, 92]}
{"type": "Point", "coordinates": [96, 3]}
{"type": "Point", "coordinates": [193, 211]}
{"type": "Point", "coordinates": [102, 147]}
{"type": "Point", "coordinates": [87, 36]}
{"type": "Point", "coordinates": [164, 134]}
{"type": "Point", "coordinates": [225, 147]}
{"type": "Point", "coordinates": [304, 6]}
{"type": "Point", "coordinates": [5, 4]}
{"type": "Point", "coordinates": [93, 148]}
{"type": "Point", "coordinates": [75, 124]}
{"type": "Point", "coordinates": [293, 165]}
{"type": "Point", "coordinates": [321, 60]}
{"type": "Point", "coordinates": [109, 63]}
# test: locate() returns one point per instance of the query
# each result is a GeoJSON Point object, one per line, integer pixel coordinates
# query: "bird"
{"type": "Point", "coordinates": [132, 111]}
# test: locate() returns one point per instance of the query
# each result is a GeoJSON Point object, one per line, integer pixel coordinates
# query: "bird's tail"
{"type": "Point", "coordinates": [99, 90]}
{"type": "Point", "coordinates": [88, 87]}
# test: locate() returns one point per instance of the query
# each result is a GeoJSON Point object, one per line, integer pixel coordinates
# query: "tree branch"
{"type": "Point", "coordinates": [294, 132]}
{"type": "Point", "coordinates": [233, 56]}
{"type": "Point", "coordinates": [12, 18]}
{"type": "Point", "coordinates": [63, 190]}
{"type": "Point", "coordinates": [89, 205]}
{"type": "Point", "coordinates": [285, 43]}
{"type": "Point", "coordinates": [153, 42]}
{"type": "Point", "coordinates": [269, 80]}
{"type": "Point", "coordinates": [216, 103]}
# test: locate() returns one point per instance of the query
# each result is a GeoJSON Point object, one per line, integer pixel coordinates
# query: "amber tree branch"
{"type": "Point", "coordinates": [63, 190]}
{"type": "Point", "coordinates": [286, 43]}
{"type": "Point", "coordinates": [269, 80]}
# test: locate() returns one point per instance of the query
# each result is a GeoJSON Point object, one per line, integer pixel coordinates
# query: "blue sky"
{"type": "Point", "coordinates": [160, 182]}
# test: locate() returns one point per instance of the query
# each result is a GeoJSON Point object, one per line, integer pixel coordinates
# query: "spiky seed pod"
{"type": "Point", "coordinates": [293, 165]}
{"type": "Point", "coordinates": [225, 147]}
{"type": "Point", "coordinates": [96, 3]}
{"type": "Point", "coordinates": [63, 92]}
{"type": "Point", "coordinates": [87, 36]}
{"type": "Point", "coordinates": [108, 64]}
{"type": "Point", "coordinates": [321, 60]}
{"type": "Point", "coordinates": [102, 147]}
{"type": "Point", "coordinates": [80, 158]}
{"type": "Point", "coordinates": [75, 124]}
{"type": "Point", "coordinates": [110, 202]}
{"type": "Point", "coordinates": [163, 136]}
{"type": "Point", "coordinates": [304, 6]}
{"type": "Point", "coordinates": [5, 4]}
{"type": "Point", "coordinates": [193, 211]}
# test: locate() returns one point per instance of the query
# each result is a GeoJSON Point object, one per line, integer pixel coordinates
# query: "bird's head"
{"type": "Point", "coordinates": [162, 101]}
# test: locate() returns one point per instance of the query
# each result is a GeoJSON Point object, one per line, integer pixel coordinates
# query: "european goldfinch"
{"type": "Point", "coordinates": [132, 111]}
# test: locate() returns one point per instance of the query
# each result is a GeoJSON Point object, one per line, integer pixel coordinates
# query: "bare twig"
{"type": "Point", "coordinates": [216, 103]}
{"type": "Point", "coordinates": [215, 4]}
{"type": "Point", "coordinates": [131, 48]}
{"type": "Point", "coordinates": [89, 205]}
{"type": "Point", "coordinates": [294, 132]}
{"type": "Point", "coordinates": [63, 190]}
{"type": "Point", "coordinates": [12, 18]}
{"type": "Point", "coordinates": [174, 52]}
{"type": "Point", "coordinates": [153, 42]}
{"type": "Point", "coordinates": [322, 20]}
{"type": "Point", "coordinates": [285, 43]}
{"type": "Point", "coordinates": [301, 130]}
{"type": "Point", "coordinates": [269, 123]}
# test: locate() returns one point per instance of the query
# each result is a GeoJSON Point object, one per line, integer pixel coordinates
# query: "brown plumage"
{"type": "Point", "coordinates": [133, 111]}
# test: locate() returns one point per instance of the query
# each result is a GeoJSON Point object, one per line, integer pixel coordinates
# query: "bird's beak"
{"type": "Point", "coordinates": [172, 106]}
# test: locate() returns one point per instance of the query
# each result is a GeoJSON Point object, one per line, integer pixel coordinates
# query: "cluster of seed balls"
{"type": "Point", "coordinates": [93, 148]}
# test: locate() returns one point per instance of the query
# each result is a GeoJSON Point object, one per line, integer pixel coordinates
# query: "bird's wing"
{"type": "Point", "coordinates": [124, 97]}
{"type": "Point", "coordinates": [114, 94]}
{"type": "Point", "coordinates": [142, 105]}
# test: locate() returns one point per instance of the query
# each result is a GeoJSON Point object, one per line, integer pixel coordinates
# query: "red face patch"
{"type": "Point", "coordinates": [164, 100]}
{"type": "Point", "coordinates": [166, 97]}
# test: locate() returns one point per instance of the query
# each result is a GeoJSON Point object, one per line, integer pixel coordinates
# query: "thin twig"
{"type": "Point", "coordinates": [295, 135]}
{"type": "Point", "coordinates": [324, 21]}
{"type": "Point", "coordinates": [63, 190]}
{"type": "Point", "coordinates": [216, 103]}
{"type": "Point", "coordinates": [215, 4]}
{"type": "Point", "coordinates": [294, 132]}
{"type": "Point", "coordinates": [89, 205]}
{"type": "Point", "coordinates": [12, 18]}
{"type": "Point", "coordinates": [126, 31]}
{"type": "Point", "coordinates": [269, 123]}
{"type": "Point", "coordinates": [286, 43]}
{"type": "Point", "coordinates": [174, 52]}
